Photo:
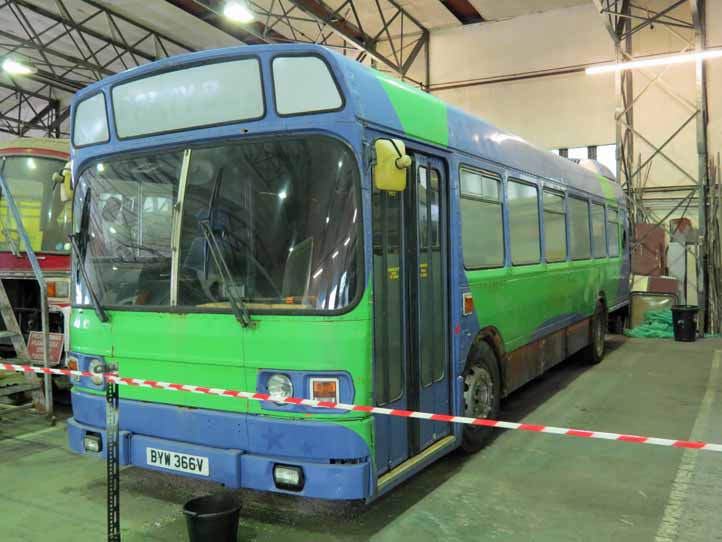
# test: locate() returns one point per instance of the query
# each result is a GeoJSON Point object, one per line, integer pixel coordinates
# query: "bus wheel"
{"type": "Point", "coordinates": [482, 395]}
{"type": "Point", "coordinates": [594, 353]}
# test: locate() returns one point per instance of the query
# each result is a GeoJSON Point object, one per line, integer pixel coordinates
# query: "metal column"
{"type": "Point", "coordinates": [698, 17]}
{"type": "Point", "coordinates": [685, 21]}
{"type": "Point", "coordinates": [112, 459]}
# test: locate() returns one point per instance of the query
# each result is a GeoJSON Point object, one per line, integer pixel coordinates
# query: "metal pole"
{"type": "Point", "coordinates": [43, 293]}
{"type": "Point", "coordinates": [698, 16]}
{"type": "Point", "coordinates": [112, 459]}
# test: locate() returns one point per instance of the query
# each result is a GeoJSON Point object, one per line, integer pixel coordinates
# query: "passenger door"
{"type": "Point", "coordinates": [411, 311]}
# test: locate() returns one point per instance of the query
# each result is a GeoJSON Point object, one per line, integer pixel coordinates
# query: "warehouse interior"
{"type": "Point", "coordinates": [635, 85]}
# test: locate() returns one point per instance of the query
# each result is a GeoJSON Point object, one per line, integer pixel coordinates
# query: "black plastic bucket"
{"type": "Point", "coordinates": [684, 318]}
{"type": "Point", "coordinates": [213, 518]}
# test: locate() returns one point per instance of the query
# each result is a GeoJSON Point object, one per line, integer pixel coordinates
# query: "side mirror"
{"type": "Point", "coordinates": [63, 178]}
{"type": "Point", "coordinates": [389, 173]}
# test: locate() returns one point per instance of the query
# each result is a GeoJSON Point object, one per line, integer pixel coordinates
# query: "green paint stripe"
{"type": "Point", "coordinates": [608, 191]}
{"type": "Point", "coordinates": [422, 115]}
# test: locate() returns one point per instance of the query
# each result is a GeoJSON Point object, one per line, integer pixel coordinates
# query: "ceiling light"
{"type": "Point", "coordinates": [238, 12]}
{"type": "Point", "coordinates": [14, 67]}
{"type": "Point", "coordinates": [655, 61]}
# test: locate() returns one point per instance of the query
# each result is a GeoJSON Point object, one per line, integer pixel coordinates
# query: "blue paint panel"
{"type": "Point", "coordinates": [366, 95]}
{"type": "Point", "coordinates": [196, 426]}
{"type": "Point", "coordinates": [224, 465]}
{"type": "Point", "coordinates": [251, 433]}
{"type": "Point", "coordinates": [304, 439]}
{"type": "Point", "coordinates": [236, 469]}
{"type": "Point", "coordinates": [323, 481]}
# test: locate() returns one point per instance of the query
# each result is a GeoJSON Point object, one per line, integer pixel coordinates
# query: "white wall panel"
{"type": "Point", "coordinates": [550, 112]}
{"type": "Point", "coordinates": [575, 109]}
{"type": "Point", "coordinates": [548, 40]}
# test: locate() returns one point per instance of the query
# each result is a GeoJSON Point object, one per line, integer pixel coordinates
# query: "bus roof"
{"type": "Point", "coordinates": [58, 148]}
{"type": "Point", "coordinates": [391, 105]}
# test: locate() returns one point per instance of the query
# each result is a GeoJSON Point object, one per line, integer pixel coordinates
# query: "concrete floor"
{"type": "Point", "coordinates": [522, 487]}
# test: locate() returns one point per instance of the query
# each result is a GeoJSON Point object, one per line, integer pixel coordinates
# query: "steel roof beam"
{"type": "Point", "coordinates": [68, 54]}
{"type": "Point", "coordinates": [28, 111]}
{"type": "Point", "coordinates": [69, 23]}
{"type": "Point", "coordinates": [208, 10]}
{"type": "Point", "coordinates": [358, 38]}
{"type": "Point", "coordinates": [314, 21]}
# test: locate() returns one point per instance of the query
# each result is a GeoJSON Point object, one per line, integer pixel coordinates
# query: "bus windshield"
{"type": "Point", "coordinates": [45, 216]}
{"type": "Point", "coordinates": [284, 213]}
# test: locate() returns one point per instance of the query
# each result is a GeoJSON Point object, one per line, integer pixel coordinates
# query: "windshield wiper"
{"type": "Point", "coordinates": [99, 310]}
{"type": "Point", "coordinates": [237, 305]}
{"type": "Point", "coordinates": [75, 240]}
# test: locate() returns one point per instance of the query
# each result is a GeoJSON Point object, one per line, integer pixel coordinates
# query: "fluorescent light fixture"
{"type": "Point", "coordinates": [238, 12]}
{"type": "Point", "coordinates": [664, 60]}
{"type": "Point", "coordinates": [13, 67]}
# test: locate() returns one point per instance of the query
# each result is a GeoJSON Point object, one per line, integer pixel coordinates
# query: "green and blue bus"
{"type": "Point", "coordinates": [282, 219]}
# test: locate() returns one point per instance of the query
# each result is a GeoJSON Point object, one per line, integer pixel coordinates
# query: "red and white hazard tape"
{"type": "Point", "coordinates": [169, 386]}
{"type": "Point", "coordinates": [43, 370]}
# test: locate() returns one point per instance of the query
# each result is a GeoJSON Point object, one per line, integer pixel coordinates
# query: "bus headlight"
{"type": "Point", "coordinates": [288, 477]}
{"type": "Point", "coordinates": [279, 386]}
{"type": "Point", "coordinates": [97, 367]}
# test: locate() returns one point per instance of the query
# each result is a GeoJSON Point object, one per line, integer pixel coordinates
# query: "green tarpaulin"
{"type": "Point", "coordinates": [656, 325]}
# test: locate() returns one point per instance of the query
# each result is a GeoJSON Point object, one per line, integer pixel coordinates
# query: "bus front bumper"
{"type": "Point", "coordinates": [236, 450]}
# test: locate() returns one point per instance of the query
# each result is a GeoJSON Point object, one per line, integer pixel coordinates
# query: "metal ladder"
{"type": "Point", "coordinates": [42, 392]}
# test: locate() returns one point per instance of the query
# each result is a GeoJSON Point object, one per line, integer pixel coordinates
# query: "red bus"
{"type": "Point", "coordinates": [30, 166]}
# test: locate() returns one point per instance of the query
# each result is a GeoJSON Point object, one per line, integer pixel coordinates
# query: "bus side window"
{"type": "Point", "coordinates": [613, 232]}
{"type": "Point", "coordinates": [523, 223]}
{"type": "Point", "coordinates": [579, 234]}
{"type": "Point", "coordinates": [482, 228]}
{"type": "Point", "coordinates": [599, 241]}
{"type": "Point", "coordinates": [555, 226]}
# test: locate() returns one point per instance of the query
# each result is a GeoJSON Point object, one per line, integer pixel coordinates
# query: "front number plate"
{"type": "Point", "coordinates": [192, 464]}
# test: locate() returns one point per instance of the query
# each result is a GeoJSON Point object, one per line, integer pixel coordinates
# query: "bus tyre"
{"type": "Point", "coordinates": [482, 396]}
{"type": "Point", "coordinates": [594, 353]}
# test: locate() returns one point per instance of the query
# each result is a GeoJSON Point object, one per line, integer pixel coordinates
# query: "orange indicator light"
{"type": "Point", "coordinates": [468, 304]}
{"type": "Point", "coordinates": [324, 389]}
